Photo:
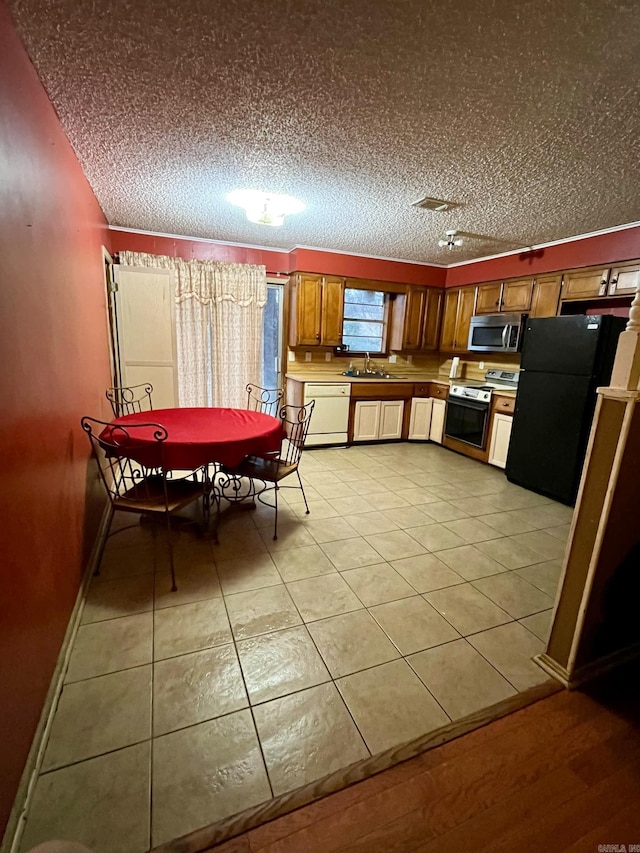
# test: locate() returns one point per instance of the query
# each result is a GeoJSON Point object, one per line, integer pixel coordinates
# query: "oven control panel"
{"type": "Point", "coordinates": [481, 395]}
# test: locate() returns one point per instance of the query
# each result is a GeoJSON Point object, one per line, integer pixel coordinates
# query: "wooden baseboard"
{"type": "Point", "coordinates": [592, 670]}
{"type": "Point", "coordinates": [15, 825]}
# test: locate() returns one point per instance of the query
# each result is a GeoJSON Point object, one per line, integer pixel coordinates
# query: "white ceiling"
{"type": "Point", "coordinates": [523, 112]}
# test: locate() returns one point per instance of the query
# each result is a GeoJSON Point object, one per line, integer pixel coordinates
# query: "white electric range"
{"type": "Point", "coordinates": [469, 403]}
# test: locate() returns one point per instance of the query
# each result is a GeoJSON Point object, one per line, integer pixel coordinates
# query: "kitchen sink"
{"type": "Point", "coordinates": [370, 374]}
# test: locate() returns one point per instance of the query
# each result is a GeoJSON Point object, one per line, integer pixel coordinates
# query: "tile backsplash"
{"type": "Point", "coordinates": [420, 363]}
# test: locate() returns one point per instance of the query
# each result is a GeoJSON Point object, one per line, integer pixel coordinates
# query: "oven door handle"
{"type": "Point", "coordinates": [466, 402]}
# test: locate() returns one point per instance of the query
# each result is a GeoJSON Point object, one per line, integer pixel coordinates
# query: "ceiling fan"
{"type": "Point", "coordinates": [451, 240]}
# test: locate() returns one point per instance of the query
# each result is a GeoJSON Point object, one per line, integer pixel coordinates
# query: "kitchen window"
{"type": "Point", "coordinates": [365, 321]}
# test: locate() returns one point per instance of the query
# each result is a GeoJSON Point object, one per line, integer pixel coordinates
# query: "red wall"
{"type": "Point", "coordinates": [589, 251]}
{"type": "Point", "coordinates": [276, 261]}
{"type": "Point", "coordinates": [609, 248]}
{"type": "Point", "coordinates": [333, 263]}
{"type": "Point", "coordinates": [54, 357]}
{"type": "Point", "coordinates": [281, 261]}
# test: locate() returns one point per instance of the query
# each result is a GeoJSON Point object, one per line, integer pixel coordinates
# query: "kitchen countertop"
{"type": "Point", "coordinates": [415, 378]}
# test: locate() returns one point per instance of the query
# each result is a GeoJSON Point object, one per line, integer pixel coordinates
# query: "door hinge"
{"type": "Point", "coordinates": [113, 279]}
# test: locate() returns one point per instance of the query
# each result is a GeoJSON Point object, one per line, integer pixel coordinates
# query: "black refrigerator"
{"type": "Point", "coordinates": [564, 360]}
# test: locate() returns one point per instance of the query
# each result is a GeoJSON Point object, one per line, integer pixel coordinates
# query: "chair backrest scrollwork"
{"type": "Point", "coordinates": [265, 400]}
{"type": "Point", "coordinates": [295, 423]}
{"type": "Point", "coordinates": [127, 400]}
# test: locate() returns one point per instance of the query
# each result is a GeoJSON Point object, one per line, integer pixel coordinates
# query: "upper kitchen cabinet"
{"type": "Point", "coordinates": [585, 283]}
{"type": "Point", "coordinates": [516, 295]}
{"type": "Point", "coordinates": [316, 309]}
{"type": "Point", "coordinates": [459, 303]}
{"type": "Point", "coordinates": [509, 296]}
{"type": "Point", "coordinates": [415, 320]}
{"type": "Point", "coordinates": [624, 280]}
{"type": "Point", "coordinates": [432, 319]}
{"type": "Point", "coordinates": [598, 282]}
{"type": "Point", "coordinates": [546, 296]}
{"type": "Point", "coordinates": [489, 298]}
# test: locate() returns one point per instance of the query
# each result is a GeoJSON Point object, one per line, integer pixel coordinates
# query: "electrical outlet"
{"type": "Point", "coordinates": [327, 356]}
{"type": "Point", "coordinates": [481, 365]}
{"type": "Point", "coordinates": [307, 356]}
{"type": "Point", "coordinates": [393, 359]}
{"type": "Point", "coordinates": [291, 356]}
{"type": "Point", "coordinates": [409, 359]}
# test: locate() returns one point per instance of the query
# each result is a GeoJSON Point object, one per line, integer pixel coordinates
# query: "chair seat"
{"type": "Point", "coordinates": [259, 468]}
{"type": "Point", "coordinates": [149, 495]}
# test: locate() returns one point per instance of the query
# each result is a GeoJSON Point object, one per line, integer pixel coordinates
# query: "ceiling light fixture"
{"type": "Point", "coordinates": [451, 240]}
{"type": "Point", "coordinates": [265, 208]}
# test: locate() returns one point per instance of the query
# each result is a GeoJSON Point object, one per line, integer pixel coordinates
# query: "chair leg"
{"type": "Point", "coordinates": [103, 544]}
{"type": "Point", "coordinates": [302, 490]}
{"type": "Point", "coordinates": [170, 546]}
{"type": "Point", "coordinates": [275, 526]}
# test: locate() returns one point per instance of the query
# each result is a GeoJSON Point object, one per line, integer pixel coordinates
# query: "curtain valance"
{"type": "Point", "coordinates": [209, 282]}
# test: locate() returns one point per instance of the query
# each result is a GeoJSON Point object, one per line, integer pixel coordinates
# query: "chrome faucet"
{"type": "Point", "coordinates": [367, 362]}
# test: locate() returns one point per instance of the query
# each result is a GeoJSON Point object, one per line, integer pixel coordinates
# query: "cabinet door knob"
{"type": "Point", "coordinates": [318, 336]}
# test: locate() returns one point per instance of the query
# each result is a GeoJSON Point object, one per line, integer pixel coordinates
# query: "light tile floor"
{"type": "Point", "coordinates": [415, 593]}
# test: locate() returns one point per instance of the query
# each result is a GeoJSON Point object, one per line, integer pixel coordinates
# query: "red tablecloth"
{"type": "Point", "coordinates": [197, 437]}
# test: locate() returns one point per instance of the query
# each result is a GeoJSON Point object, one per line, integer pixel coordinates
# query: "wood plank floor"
{"type": "Point", "coordinates": [560, 775]}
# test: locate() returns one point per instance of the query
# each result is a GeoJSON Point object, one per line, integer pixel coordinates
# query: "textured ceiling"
{"type": "Point", "coordinates": [523, 112]}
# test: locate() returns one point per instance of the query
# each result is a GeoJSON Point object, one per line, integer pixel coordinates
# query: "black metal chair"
{"type": "Point", "coordinates": [271, 470]}
{"type": "Point", "coordinates": [135, 478]}
{"type": "Point", "coordinates": [265, 400]}
{"type": "Point", "coordinates": [127, 400]}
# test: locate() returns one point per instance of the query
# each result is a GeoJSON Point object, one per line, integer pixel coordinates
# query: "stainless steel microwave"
{"type": "Point", "coordinates": [496, 333]}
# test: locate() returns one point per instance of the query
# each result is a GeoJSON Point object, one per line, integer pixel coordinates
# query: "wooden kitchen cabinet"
{"type": "Point", "coordinates": [420, 421]}
{"type": "Point", "coordinates": [438, 413]}
{"type": "Point", "coordinates": [489, 298]}
{"type": "Point", "coordinates": [407, 318]}
{"type": "Point", "coordinates": [415, 321]}
{"type": "Point", "coordinates": [516, 295]}
{"type": "Point", "coordinates": [546, 296]}
{"type": "Point", "coordinates": [391, 418]}
{"type": "Point", "coordinates": [459, 303]}
{"type": "Point", "coordinates": [378, 420]}
{"type": "Point", "coordinates": [508, 296]}
{"type": "Point", "coordinates": [585, 284]}
{"type": "Point", "coordinates": [432, 319]}
{"type": "Point", "coordinates": [500, 438]}
{"type": "Point", "coordinates": [502, 408]}
{"type": "Point", "coordinates": [366, 420]}
{"type": "Point", "coordinates": [624, 280]}
{"type": "Point", "coordinates": [316, 310]}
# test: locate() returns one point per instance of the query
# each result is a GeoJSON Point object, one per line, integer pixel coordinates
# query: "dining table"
{"type": "Point", "coordinates": [196, 436]}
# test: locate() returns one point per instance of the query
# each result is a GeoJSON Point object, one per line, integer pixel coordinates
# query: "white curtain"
{"type": "Point", "coordinates": [219, 311]}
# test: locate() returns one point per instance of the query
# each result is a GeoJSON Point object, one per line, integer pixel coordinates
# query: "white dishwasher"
{"type": "Point", "coordinates": [330, 418]}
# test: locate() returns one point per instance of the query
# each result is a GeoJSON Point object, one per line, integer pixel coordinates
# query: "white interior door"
{"type": "Point", "coordinates": [145, 309]}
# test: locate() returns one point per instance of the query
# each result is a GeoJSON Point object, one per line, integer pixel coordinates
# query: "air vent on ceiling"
{"type": "Point", "coordinates": [437, 204]}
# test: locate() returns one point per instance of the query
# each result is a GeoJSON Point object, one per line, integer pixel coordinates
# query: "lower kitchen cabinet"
{"type": "Point", "coordinates": [420, 421]}
{"type": "Point", "coordinates": [378, 420]}
{"type": "Point", "coordinates": [500, 437]}
{"type": "Point", "coordinates": [436, 431]}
